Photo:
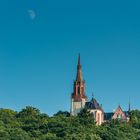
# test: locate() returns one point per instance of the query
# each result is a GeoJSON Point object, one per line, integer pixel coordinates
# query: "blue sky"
{"type": "Point", "coordinates": [39, 45]}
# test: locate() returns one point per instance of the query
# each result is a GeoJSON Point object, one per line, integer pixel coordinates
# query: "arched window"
{"type": "Point", "coordinates": [79, 90]}
{"type": "Point", "coordinates": [82, 90]}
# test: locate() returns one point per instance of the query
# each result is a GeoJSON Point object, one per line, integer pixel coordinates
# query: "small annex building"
{"type": "Point", "coordinates": [118, 114]}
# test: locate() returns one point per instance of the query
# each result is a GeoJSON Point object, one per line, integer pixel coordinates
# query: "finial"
{"type": "Point", "coordinates": [92, 95]}
{"type": "Point", "coordinates": [119, 105]}
{"type": "Point", "coordinates": [79, 63]}
{"type": "Point", "coordinates": [129, 108]}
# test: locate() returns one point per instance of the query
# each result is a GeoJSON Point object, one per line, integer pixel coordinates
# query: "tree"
{"type": "Point", "coordinates": [30, 124]}
{"type": "Point", "coordinates": [86, 117]}
{"type": "Point", "coordinates": [64, 113]}
{"type": "Point", "coordinates": [29, 111]}
{"type": "Point", "coordinates": [7, 115]}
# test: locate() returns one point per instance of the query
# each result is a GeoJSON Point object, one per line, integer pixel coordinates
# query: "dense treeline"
{"type": "Point", "coordinates": [30, 124]}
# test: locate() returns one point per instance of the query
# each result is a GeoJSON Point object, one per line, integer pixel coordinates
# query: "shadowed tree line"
{"type": "Point", "coordinates": [31, 124]}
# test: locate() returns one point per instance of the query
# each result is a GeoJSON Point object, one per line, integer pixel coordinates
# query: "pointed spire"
{"type": "Point", "coordinates": [79, 63]}
{"type": "Point", "coordinates": [79, 71]}
{"type": "Point", "coordinates": [92, 96]}
{"type": "Point", "coordinates": [119, 106]}
{"type": "Point", "coordinates": [129, 109]}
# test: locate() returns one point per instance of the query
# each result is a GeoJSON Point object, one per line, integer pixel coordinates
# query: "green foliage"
{"type": "Point", "coordinates": [135, 118]}
{"type": "Point", "coordinates": [86, 118]}
{"type": "Point", "coordinates": [31, 124]}
{"type": "Point", "coordinates": [29, 111]}
{"type": "Point", "coordinates": [64, 113]}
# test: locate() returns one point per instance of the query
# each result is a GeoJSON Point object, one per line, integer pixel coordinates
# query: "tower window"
{"type": "Point", "coordinates": [79, 90]}
{"type": "Point", "coordinates": [82, 90]}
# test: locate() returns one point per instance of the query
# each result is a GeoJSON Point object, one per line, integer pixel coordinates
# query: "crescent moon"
{"type": "Point", "coordinates": [32, 14]}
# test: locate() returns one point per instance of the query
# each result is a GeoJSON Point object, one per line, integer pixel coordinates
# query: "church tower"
{"type": "Point", "coordinates": [78, 97]}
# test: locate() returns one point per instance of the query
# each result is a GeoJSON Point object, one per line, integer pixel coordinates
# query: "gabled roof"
{"type": "Point", "coordinates": [109, 116]}
{"type": "Point", "coordinates": [93, 104]}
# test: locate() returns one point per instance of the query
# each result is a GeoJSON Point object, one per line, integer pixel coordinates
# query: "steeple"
{"type": "Point", "coordinates": [79, 77]}
{"type": "Point", "coordinates": [78, 97]}
{"type": "Point", "coordinates": [79, 84]}
{"type": "Point", "coordinates": [129, 109]}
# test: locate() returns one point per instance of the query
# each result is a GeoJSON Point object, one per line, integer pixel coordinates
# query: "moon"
{"type": "Point", "coordinates": [32, 14]}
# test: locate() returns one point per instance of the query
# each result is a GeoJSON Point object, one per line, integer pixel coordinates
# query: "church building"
{"type": "Point", "coordinates": [79, 101]}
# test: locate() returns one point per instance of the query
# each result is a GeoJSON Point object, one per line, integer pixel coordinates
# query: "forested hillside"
{"type": "Point", "coordinates": [30, 124]}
